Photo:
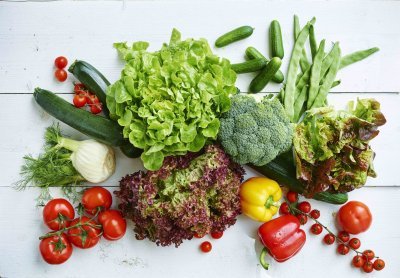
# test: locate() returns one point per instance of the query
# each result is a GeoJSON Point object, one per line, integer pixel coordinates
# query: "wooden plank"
{"type": "Point", "coordinates": [30, 39]}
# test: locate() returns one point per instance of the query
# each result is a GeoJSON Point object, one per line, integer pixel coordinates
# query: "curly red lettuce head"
{"type": "Point", "coordinates": [196, 193]}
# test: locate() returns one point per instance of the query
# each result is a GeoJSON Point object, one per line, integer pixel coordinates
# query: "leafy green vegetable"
{"type": "Point", "coordinates": [169, 101]}
{"type": "Point", "coordinates": [332, 147]}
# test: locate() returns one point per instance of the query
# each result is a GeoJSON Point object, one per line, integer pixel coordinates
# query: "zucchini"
{"type": "Point", "coordinates": [262, 79]}
{"type": "Point", "coordinates": [234, 35]}
{"type": "Point", "coordinates": [253, 53]}
{"type": "Point", "coordinates": [283, 171]}
{"type": "Point", "coordinates": [249, 66]}
{"type": "Point", "coordinates": [93, 80]}
{"type": "Point", "coordinates": [275, 37]}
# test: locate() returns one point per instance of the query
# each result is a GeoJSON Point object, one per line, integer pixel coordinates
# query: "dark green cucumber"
{"type": "Point", "coordinates": [234, 35]}
{"type": "Point", "coordinates": [93, 80]}
{"type": "Point", "coordinates": [252, 53]}
{"type": "Point", "coordinates": [283, 171]}
{"type": "Point", "coordinates": [130, 151]}
{"type": "Point", "coordinates": [266, 74]}
{"type": "Point", "coordinates": [96, 127]}
{"type": "Point", "coordinates": [249, 66]}
{"type": "Point", "coordinates": [275, 39]}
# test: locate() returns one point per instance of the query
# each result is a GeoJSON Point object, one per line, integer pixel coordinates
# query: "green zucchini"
{"type": "Point", "coordinates": [234, 35]}
{"type": "Point", "coordinates": [262, 79]}
{"type": "Point", "coordinates": [283, 171]}
{"type": "Point", "coordinates": [275, 37]}
{"type": "Point", "coordinates": [249, 66]}
{"type": "Point", "coordinates": [93, 80]}
{"type": "Point", "coordinates": [253, 53]}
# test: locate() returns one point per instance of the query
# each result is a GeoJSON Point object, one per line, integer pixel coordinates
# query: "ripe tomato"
{"type": "Point", "coordinates": [315, 214]}
{"type": "Point", "coordinates": [61, 75]}
{"type": "Point", "coordinates": [369, 254]}
{"type": "Point", "coordinates": [61, 62]}
{"type": "Point", "coordinates": [96, 197]}
{"type": "Point", "coordinates": [85, 236]}
{"type": "Point", "coordinates": [78, 88]}
{"type": "Point", "coordinates": [358, 261]}
{"type": "Point", "coordinates": [302, 219]}
{"type": "Point", "coordinates": [284, 208]}
{"type": "Point", "coordinates": [55, 249]}
{"type": "Point", "coordinates": [58, 213]}
{"type": "Point", "coordinates": [196, 235]}
{"type": "Point", "coordinates": [368, 267]}
{"type": "Point", "coordinates": [304, 207]}
{"type": "Point", "coordinates": [93, 99]}
{"type": "Point", "coordinates": [329, 239]}
{"type": "Point", "coordinates": [355, 243]}
{"type": "Point", "coordinates": [379, 264]}
{"type": "Point", "coordinates": [79, 100]}
{"type": "Point", "coordinates": [354, 217]}
{"type": "Point", "coordinates": [217, 234]}
{"type": "Point", "coordinates": [292, 196]}
{"type": "Point", "coordinates": [343, 249]}
{"type": "Point", "coordinates": [206, 246]}
{"type": "Point", "coordinates": [96, 108]}
{"type": "Point", "coordinates": [316, 229]}
{"type": "Point", "coordinates": [114, 225]}
{"type": "Point", "coordinates": [344, 236]}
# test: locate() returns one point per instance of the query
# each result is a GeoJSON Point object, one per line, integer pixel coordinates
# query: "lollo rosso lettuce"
{"type": "Point", "coordinates": [332, 148]}
{"type": "Point", "coordinates": [169, 101]}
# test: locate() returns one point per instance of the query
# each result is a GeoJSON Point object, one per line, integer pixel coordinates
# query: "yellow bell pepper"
{"type": "Point", "coordinates": [259, 198]}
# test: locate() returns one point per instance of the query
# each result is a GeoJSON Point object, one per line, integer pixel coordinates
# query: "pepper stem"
{"type": "Point", "coordinates": [263, 263]}
{"type": "Point", "coordinates": [270, 202]}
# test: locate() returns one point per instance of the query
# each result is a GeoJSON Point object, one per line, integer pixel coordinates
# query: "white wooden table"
{"type": "Point", "coordinates": [33, 34]}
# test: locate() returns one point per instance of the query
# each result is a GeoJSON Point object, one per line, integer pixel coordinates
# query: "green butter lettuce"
{"type": "Point", "coordinates": [169, 101]}
{"type": "Point", "coordinates": [332, 148]}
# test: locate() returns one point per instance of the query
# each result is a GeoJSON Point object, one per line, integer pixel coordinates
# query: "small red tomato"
{"type": "Point", "coordinates": [96, 108]}
{"type": "Point", "coordinates": [329, 239]}
{"type": "Point", "coordinates": [96, 197]}
{"type": "Point", "coordinates": [92, 99]}
{"type": "Point", "coordinates": [379, 264]}
{"type": "Point", "coordinates": [355, 243]}
{"type": "Point", "coordinates": [78, 88]}
{"type": "Point", "coordinates": [316, 229]}
{"type": "Point", "coordinates": [217, 234]}
{"type": "Point", "coordinates": [206, 246]}
{"type": "Point", "coordinates": [284, 208]}
{"type": "Point", "coordinates": [358, 261]}
{"type": "Point", "coordinates": [55, 249]}
{"type": "Point", "coordinates": [343, 249]}
{"type": "Point", "coordinates": [354, 217]}
{"type": "Point", "coordinates": [79, 101]}
{"type": "Point", "coordinates": [196, 235]}
{"type": "Point", "coordinates": [368, 267]}
{"type": "Point", "coordinates": [369, 254]}
{"type": "Point", "coordinates": [292, 196]}
{"type": "Point", "coordinates": [315, 214]}
{"type": "Point", "coordinates": [304, 207]}
{"type": "Point", "coordinates": [61, 62]}
{"type": "Point", "coordinates": [61, 75]}
{"type": "Point", "coordinates": [302, 219]}
{"type": "Point", "coordinates": [85, 236]}
{"type": "Point", "coordinates": [114, 225]}
{"type": "Point", "coordinates": [344, 236]}
{"type": "Point", "coordinates": [58, 213]}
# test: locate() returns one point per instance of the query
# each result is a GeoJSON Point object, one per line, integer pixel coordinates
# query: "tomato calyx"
{"type": "Point", "coordinates": [59, 245]}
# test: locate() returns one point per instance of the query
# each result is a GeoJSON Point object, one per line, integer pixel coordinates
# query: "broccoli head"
{"type": "Point", "coordinates": [255, 132]}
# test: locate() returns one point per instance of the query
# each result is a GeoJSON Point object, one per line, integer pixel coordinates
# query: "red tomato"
{"type": "Point", "coordinates": [93, 99]}
{"type": "Point", "coordinates": [55, 249]}
{"type": "Point", "coordinates": [379, 264]}
{"type": "Point", "coordinates": [304, 207]}
{"type": "Point", "coordinates": [196, 235]}
{"type": "Point", "coordinates": [316, 229]}
{"type": "Point", "coordinates": [344, 236]}
{"type": "Point", "coordinates": [206, 246]}
{"type": "Point", "coordinates": [315, 214]}
{"type": "Point", "coordinates": [96, 197]}
{"type": "Point", "coordinates": [61, 75]}
{"type": "Point", "coordinates": [354, 217]}
{"type": "Point", "coordinates": [79, 87]}
{"type": "Point", "coordinates": [355, 243]}
{"type": "Point", "coordinates": [358, 261]}
{"type": "Point", "coordinates": [302, 218]}
{"type": "Point", "coordinates": [58, 213]}
{"type": "Point", "coordinates": [343, 249]}
{"type": "Point", "coordinates": [284, 208]}
{"type": "Point", "coordinates": [79, 100]}
{"type": "Point", "coordinates": [114, 225]}
{"type": "Point", "coordinates": [96, 108]}
{"type": "Point", "coordinates": [85, 236]}
{"type": "Point", "coordinates": [61, 62]}
{"type": "Point", "coordinates": [368, 267]}
{"type": "Point", "coordinates": [292, 196]}
{"type": "Point", "coordinates": [369, 254]}
{"type": "Point", "coordinates": [217, 235]}
{"type": "Point", "coordinates": [329, 239]}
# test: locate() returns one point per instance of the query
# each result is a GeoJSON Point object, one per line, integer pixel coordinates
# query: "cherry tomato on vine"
{"type": "Point", "coordinates": [316, 229]}
{"type": "Point", "coordinates": [315, 214]}
{"type": "Point", "coordinates": [302, 219]}
{"type": "Point", "coordinates": [304, 207]}
{"type": "Point", "coordinates": [58, 213]}
{"type": "Point", "coordinates": [379, 264]}
{"type": "Point", "coordinates": [284, 208]}
{"type": "Point", "coordinates": [217, 234]}
{"type": "Point", "coordinates": [96, 197]}
{"type": "Point", "coordinates": [96, 108]}
{"type": "Point", "coordinates": [368, 267]}
{"type": "Point", "coordinates": [344, 236]}
{"type": "Point", "coordinates": [61, 62]}
{"type": "Point", "coordinates": [329, 239]}
{"type": "Point", "coordinates": [79, 88]}
{"type": "Point", "coordinates": [55, 249]}
{"type": "Point", "coordinates": [196, 235]}
{"type": "Point", "coordinates": [292, 196]}
{"type": "Point", "coordinates": [85, 236]}
{"type": "Point", "coordinates": [79, 101]}
{"type": "Point", "coordinates": [343, 249]}
{"type": "Point", "coordinates": [61, 75]}
{"type": "Point", "coordinates": [114, 225]}
{"type": "Point", "coordinates": [369, 254]}
{"type": "Point", "coordinates": [354, 217]}
{"type": "Point", "coordinates": [93, 99]}
{"type": "Point", "coordinates": [355, 243]}
{"type": "Point", "coordinates": [205, 246]}
{"type": "Point", "coordinates": [358, 261]}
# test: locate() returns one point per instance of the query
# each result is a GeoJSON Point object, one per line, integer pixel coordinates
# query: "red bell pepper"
{"type": "Point", "coordinates": [282, 238]}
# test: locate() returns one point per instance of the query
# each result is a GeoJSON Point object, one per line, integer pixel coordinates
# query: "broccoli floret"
{"type": "Point", "coordinates": [255, 132]}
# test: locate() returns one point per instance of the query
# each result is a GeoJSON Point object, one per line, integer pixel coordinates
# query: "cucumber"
{"type": "Point", "coordinates": [234, 35]}
{"type": "Point", "coordinates": [249, 66]}
{"type": "Point", "coordinates": [283, 171]}
{"type": "Point", "coordinates": [253, 53]}
{"type": "Point", "coordinates": [275, 38]}
{"type": "Point", "coordinates": [262, 79]}
{"type": "Point", "coordinates": [93, 80]}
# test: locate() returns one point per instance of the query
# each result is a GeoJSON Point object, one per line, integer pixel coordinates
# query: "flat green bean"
{"type": "Point", "coordinates": [335, 83]}
{"type": "Point", "coordinates": [299, 104]}
{"type": "Point", "coordinates": [313, 42]}
{"type": "Point", "coordinates": [315, 74]}
{"type": "Point", "coordinates": [328, 61]}
{"type": "Point", "coordinates": [303, 60]}
{"type": "Point", "coordinates": [356, 56]}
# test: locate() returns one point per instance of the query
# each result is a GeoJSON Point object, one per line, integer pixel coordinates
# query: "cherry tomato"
{"type": "Point", "coordinates": [358, 261]}
{"type": "Point", "coordinates": [79, 100]}
{"type": "Point", "coordinates": [354, 217]}
{"type": "Point", "coordinates": [196, 235]}
{"type": "Point", "coordinates": [368, 267]}
{"type": "Point", "coordinates": [369, 254]}
{"type": "Point", "coordinates": [85, 236]}
{"type": "Point", "coordinates": [355, 243]}
{"type": "Point", "coordinates": [343, 249]}
{"type": "Point", "coordinates": [315, 214]}
{"type": "Point", "coordinates": [329, 239]}
{"type": "Point", "coordinates": [379, 264]}
{"type": "Point", "coordinates": [61, 75]}
{"type": "Point", "coordinates": [206, 246]}
{"type": "Point", "coordinates": [114, 225]}
{"type": "Point", "coordinates": [79, 87]}
{"type": "Point", "coordinates": [55, 249]}
{"type": "Point", "coordinates": [304, 207]}
{"type": "Point", "coordinates": [292, 196]}
{"type": "Point", "coordinates": [284, 208]}
{"type": "Point", "coordinates": [93, 99]}
{"type": "Point", "coordinates": [96, 197]}
{"type": "Point", "coordinates": [61, 62]}
{"type": "Point", "coordinates": [96, 108]}
{"type": "Point", "coordinates": [58, 213]}
{"type": "Point", "coordinates": [344, 236]}
{"type": "Point", "coordinates": [217, 235]}
{"type": "Point", "coordinates": [302, 219]}
{"type": "Point", "coordinates": [316, 229]}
